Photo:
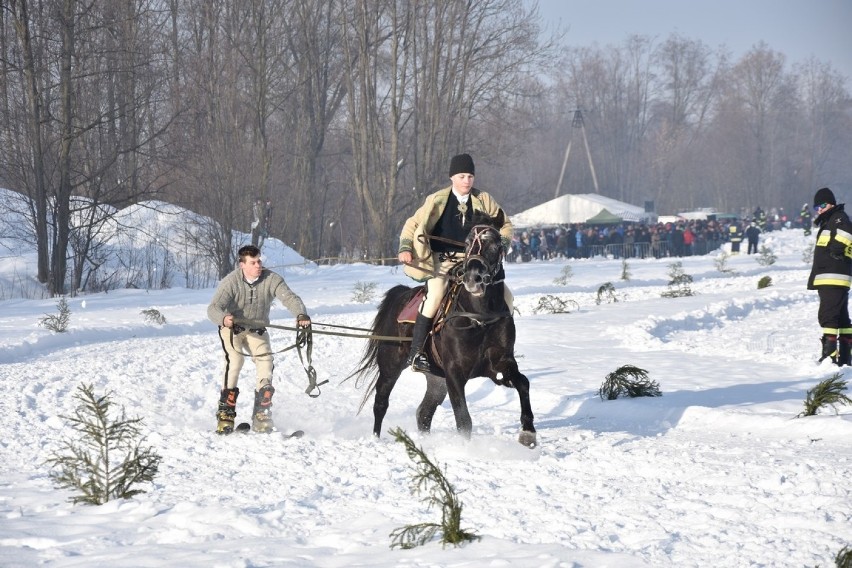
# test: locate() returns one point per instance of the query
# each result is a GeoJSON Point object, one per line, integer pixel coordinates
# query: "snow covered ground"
{"type": "Point", "coordinates": [716, 472]}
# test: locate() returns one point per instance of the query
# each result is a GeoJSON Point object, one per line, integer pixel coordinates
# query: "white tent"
{"type": "Point", "coordinates": [567, 209]}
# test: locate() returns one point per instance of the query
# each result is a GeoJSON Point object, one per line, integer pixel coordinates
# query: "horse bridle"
{"type": "Point", "coordinates": [474, 252]}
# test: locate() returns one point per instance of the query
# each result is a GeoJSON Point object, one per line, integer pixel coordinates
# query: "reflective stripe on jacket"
{"type": "Point", "coordinates": [833, 251]}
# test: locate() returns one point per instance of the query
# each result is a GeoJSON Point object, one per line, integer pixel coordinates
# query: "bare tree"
{"type": "Point", "coordinates": [761, 90]}
{"type": "Point", "coordinates": [30, 141]}
{"type": "Point", "coordinates": [826, 128]}
{"type": "Point", "coordinates": [688, 81]}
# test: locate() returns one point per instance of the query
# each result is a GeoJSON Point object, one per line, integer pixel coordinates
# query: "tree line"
{"type": "Point", "coordinates": [344, 113]}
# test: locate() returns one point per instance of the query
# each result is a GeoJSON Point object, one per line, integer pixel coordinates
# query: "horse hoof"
{"type": "Point", "coordinates": [528, 439]}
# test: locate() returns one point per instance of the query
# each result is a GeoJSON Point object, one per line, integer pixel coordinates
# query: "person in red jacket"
{"type": "Point", "coordinates": [831, 276]}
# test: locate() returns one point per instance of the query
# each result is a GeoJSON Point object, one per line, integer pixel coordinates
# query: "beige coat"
{"type": "Point", "coordinates": [412, 238]}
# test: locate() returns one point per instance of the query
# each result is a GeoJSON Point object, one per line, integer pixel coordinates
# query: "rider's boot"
{"type": "Point", "coordinates": [417, 359]}
{"type": "Point", "coordinates": [227, 411]}
{"type": "Point", "coordinates": [261, 420]}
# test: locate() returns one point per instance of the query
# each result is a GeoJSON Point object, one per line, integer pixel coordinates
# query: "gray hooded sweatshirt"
{"type": "Point", "coordinates": [245, 301]}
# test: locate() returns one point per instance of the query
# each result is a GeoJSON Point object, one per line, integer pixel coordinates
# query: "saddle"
{"type": "Point", "coordinates": [409, 311]}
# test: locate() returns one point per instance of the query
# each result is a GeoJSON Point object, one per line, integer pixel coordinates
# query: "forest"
{"type": "Point", "coordinates": [343, 114]}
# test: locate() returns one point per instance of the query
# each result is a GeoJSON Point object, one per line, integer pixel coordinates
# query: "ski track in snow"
{"type": "Point", "coordinates": [716, 472]}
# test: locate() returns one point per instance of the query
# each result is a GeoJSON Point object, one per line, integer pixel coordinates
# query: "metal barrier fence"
{"type": "Point", "coordinates": [662, 249]}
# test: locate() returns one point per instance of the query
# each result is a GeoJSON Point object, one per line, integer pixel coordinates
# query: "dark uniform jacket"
{"type": "Point", "coordinates": [833, 252]}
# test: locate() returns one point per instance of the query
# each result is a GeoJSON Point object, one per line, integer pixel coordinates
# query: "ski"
{"type": "Point", "coordinates": [245, 427]}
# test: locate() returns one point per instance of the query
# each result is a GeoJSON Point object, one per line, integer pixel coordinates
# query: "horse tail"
{"type": "Point", "coordinates": [384, 324]}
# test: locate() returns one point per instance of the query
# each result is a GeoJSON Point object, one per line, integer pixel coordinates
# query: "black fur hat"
{"type": "Point", "coordinates": [824, 195]}
{"type": "Point", "coordinates": [462, 164]}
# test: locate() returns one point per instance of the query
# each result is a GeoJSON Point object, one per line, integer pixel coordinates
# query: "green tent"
{"type": "Point", "coordinates": [604, 217]}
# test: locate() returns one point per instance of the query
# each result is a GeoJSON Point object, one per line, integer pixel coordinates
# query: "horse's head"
{"type": "Point", "coordinates": [483, 253]}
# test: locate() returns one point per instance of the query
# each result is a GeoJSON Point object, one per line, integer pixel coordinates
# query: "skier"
{"type": "Point", "coordinates": [246, 294]}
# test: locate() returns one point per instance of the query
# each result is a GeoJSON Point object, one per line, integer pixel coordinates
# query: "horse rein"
{"type": "Point", "coordinates": [304, 335]}
{"type": "Point", "coordinates": [304, 341]}
{"type": "Point", "coordinates": [490, 270]}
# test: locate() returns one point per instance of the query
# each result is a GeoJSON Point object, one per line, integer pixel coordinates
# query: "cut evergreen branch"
{"type": "Point", "coordinates": [553, 305]}
{"type": "Point", "coordinates": [764, 282]}
{"type": "Point", "coordinates": [428, 479]}
{"type": "Point", "coordinates": [57, 322]}
{"type": "Point", "coordinates": [843, 559]}
{"type": "Point", "coordinates": [107, 461]}
{"type": "Point", "coordinates": [606, 293]}
{"type": "Point", "coordinates": [153, 315]}
{"type": "Point", "coordinates": [629, 381]}
{"type": "Point", "coordinates": [827, 393]}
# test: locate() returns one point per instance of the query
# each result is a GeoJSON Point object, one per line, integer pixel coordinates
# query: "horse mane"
{"type": "Point", "coordinates": [483, 218]}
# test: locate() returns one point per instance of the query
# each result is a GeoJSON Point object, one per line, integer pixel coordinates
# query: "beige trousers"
{"type": "Point", "coordinates": [257, 346]}
{"type": "Point", "coordinates": [437, 287]}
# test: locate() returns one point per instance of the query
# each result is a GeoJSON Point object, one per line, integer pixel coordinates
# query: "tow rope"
{"type": "Point", "coordinates": [304, 342]}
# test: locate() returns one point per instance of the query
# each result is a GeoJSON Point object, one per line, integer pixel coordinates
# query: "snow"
{"type": "Point", "coordinates": [718, 471]}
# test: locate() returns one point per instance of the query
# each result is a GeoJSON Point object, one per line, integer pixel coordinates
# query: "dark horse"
{"type": "Point", "coordinates": [474, 337]}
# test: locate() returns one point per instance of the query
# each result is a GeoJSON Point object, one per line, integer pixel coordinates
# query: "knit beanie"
{"type": "Point", "coordinates": [461, 164]}
{"type": "Point", "coordinates": [824, 195]}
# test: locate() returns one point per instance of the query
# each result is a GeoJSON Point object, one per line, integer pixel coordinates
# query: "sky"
{"type": "Point", "coordinates": [797, 28]}
{"type": "Point", "coordinates": [718, 471]}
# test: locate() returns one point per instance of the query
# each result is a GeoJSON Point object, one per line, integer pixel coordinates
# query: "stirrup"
{"type": "Point", "coordinates": [420, 363]}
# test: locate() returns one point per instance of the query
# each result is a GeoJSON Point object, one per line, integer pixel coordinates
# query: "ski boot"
{"type": "Point", "coordinates": [227, 410]}
{"type": "Point", "coordinates": [261, 420]}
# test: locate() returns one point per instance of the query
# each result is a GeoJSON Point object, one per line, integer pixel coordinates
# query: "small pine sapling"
{"type": "Point", "coordinates": [629, 381]}
{"type": "Point", "coordinates": [721, 262]}
{"type": "Point", "coordinates": [57, 322]}
{"type": "Point", "coordinates": [765, 256]}
{"type": "Point", "coordinates": [108, 461]}
{"type": "Point", "coordinates": [565, 276]}
{"type": "Point", "coordinates": [428, 478]}
{"type": "Point", "coordinates": [364, 292]}
{"type": "Point", "coordinates": [827, 393]}
{"type": "Point", "coordinates": [764, 282]}
{"type": "Point", "coordinates": [679, 285]}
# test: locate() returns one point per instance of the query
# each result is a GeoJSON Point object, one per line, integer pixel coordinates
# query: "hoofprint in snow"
{"type": "Point", "coordinates": [716, 472]}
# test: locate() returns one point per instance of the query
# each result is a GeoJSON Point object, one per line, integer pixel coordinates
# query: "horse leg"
{"type": "Point", "coordinates": [521, 383]}
{"type": "Point", "coordinates": [457, 399]}
{"type": "Point", "coordinates": [384, 386]}
{"type": "Point", "coordinates": [436, 392]}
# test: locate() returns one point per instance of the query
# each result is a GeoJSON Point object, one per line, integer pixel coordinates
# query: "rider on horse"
{"type": "Point", "coordinates": [446, 214]}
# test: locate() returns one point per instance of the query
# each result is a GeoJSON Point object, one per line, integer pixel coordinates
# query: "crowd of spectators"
{"type": "Point", "coordinates": [638, 240]}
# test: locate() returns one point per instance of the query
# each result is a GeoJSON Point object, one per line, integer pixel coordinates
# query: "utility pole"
{"type": "Point", "coordinates": [577, 123]}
